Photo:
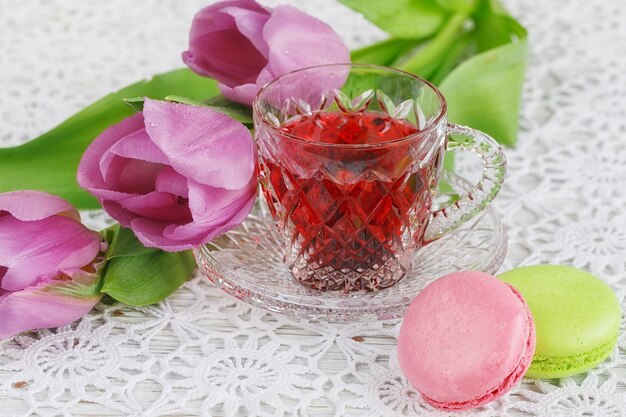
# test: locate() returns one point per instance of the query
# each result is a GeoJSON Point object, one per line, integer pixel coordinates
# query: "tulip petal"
{"type": "Point", "coordinates": [50, 303]}
{"type": "Point", "coordinates": [138, 145]}
{"type": "Point", "coordinates": [205, 21]}
{"type": "Point", "coordinates": [163, 207]}
{"type": "Point", "coordinates": [218, 48]}
{"type": "Point", "coordinates": [214, 210]}
{"type": "Point", "coordinates": [250, 24]}
{"type": "Point", "coordinates": [246, 93]}
{"type": "Point", "coordinates": [129, 176]}
{"type": "Point", "coordinates": [110, 165]}
{"type": "Point", "coordinates": [294, 39]}
{"type": "Point", "coordinates": [226, 55]}
{"type": "Point", "coordinates": [150, 234]}
{"type": "Point", "coordinates": [170, 181]}
{"type": "Point", "coordinates": [228, 213]}
{"type": "Point", "coordinates": [35, 205]}
{"type": "Point", "coordinates": [119, 213]}
{"type": "Point", "coordinates": [215, 214]}
{"type": "Point", "coordinates": [202, 144]}
{"type": "Point", "coordinates": [89, 175]}
{"type": "Point", "coordinates": [217, 204]}
{"type": "Point", "coordinates": [42, 248]}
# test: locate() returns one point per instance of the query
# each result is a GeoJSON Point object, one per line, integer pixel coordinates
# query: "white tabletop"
{"type": "Point", "coordinates": [203, 353]}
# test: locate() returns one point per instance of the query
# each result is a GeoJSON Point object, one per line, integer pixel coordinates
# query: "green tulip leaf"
{"type": "Point", "coordinates": [135, 103]}
{"type": "Point", "coordinates": [479, 67]}
{"type": "Point", "coordinates": [409, 19]}
{"type": "Point", "coordinates": [237, 111]}
{"type": "Point", "coordinates": [184, 100]}
{"type": "Point", "coordinates": [122, 242]}
{"type": "Point", "coordinates": [148, 278]}
{"type": "Point", "coordinates": [493, 29]}
{"type": "Point", "coordinates": [49, 162]}
{"type": "Point", "coordinates": [484, 92]}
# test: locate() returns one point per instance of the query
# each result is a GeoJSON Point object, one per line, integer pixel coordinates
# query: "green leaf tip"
{"type": "Point", "coordinates": [135, 103]}
{"type": "Point", "coordinates": [123, 242]}
{"type": "Point", "coordinates": [137, 275]}
{"type": "Point", "coordinates": [147, 278]}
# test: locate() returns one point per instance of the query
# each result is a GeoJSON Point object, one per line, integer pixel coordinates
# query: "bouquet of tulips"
{"type": "Point", "coordinates": [173, 161]}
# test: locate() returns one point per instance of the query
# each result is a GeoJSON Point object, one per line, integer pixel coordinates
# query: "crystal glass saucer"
{"type": "Point", "coordinates": [247, 263]}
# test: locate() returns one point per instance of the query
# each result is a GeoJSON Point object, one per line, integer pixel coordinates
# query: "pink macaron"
{"type": "Point", "coordinates": [467, 339]}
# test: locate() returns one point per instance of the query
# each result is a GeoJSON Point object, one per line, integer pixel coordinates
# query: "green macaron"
{"type": "Point", "coordinates": [577, 318]}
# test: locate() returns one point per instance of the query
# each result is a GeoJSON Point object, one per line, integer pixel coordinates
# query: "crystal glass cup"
{"type": "Point", "coordinates": [350, 157]}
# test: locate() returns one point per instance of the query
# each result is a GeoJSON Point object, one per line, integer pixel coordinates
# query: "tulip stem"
{"type": "Point", "coordinates": [451, 59]}
{"type": "Point", "coordinates": [424, 62]}
{"type": "Point", "coordinates": [384, 52]}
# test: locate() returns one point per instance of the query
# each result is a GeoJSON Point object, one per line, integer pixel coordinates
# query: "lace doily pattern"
{"type": "Point", "coordinates": [201, 352]}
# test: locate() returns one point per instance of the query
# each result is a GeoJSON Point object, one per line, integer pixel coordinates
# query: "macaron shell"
{"type": "Point", "coordinates": [560, 367]}
{"type": "Point", "coordinates": [510, 381]}
{"type": "Point", "coordinates": [577, 318]}
{"type": "Point", "coordinates": [466, 339]}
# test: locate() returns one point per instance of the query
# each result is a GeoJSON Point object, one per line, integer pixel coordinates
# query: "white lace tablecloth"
{"type": "Point", "coordinates": [203, 353]}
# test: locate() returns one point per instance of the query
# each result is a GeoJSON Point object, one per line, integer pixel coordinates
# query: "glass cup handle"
{"type": "Point", "coordinates": [463, 138]}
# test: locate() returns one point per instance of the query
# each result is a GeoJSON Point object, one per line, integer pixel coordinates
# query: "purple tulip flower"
{"type": "Point", "coordinates": [177, 175]}
{"type": "Point", "coordinates": [49, 265]}
{"type": "Point", "coordinates": [244, 45]}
